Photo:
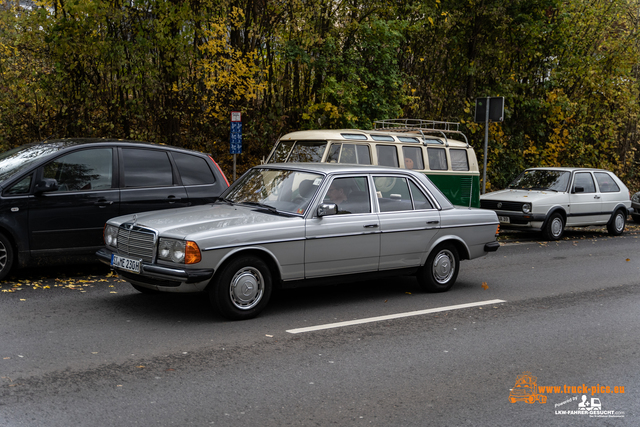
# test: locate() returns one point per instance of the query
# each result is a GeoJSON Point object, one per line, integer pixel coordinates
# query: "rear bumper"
{"type": "Point", "coordinates": [491, 247]}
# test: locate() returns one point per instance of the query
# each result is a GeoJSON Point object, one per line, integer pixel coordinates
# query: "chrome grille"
{"type": "Point", "coordinates": [501, 206]}
{"type": "Point", "coordinates": [137, 242]}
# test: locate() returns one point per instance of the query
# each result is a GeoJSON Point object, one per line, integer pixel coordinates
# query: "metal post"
{"type": "Point", "coordinates": [486, 147]}
{"type": "Point", "coordinates": [234, 167]}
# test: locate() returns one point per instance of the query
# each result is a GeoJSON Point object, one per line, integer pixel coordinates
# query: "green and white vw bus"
{"type": "Point", "coordinates": [428, 146]}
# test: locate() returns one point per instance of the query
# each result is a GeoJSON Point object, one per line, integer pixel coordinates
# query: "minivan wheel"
{"type": "Point", "coordinates": [6, 256]}
{"type": "Point", "coordinates": [554, 227]}
{"type": "Point", "coordinates": [440, 271]}
{"type": "Point", "coordinates": [243, 288]}
{"type": "Point", "coordinates": [617, 223]}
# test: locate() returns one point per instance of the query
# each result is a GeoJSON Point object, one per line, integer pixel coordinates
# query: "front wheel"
{"type": "Point", "coordinates": [554, 227]}
{"type": "Point", "coordinates": [441, 269]}
{"type": "Point", "coordinates": [6, 256]}
{"type": "Point", "coordinates": [243, 288]}
{"type": "Point", "coordinates": [617, 223]}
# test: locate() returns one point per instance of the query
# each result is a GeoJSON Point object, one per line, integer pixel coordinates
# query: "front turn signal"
{"type": "Point", "coordinates": [192, 253]}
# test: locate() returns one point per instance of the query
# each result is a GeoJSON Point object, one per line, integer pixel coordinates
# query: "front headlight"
{"type": "Point", "coordinates": [180, 251]}
{"type": "Point", "coordinates": [526, 208]}
{"type": "Point", "coordinates": [111, 236]}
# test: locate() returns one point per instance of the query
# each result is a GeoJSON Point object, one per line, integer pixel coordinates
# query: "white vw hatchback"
{"type": "Point", "coordinates": [550, 199]}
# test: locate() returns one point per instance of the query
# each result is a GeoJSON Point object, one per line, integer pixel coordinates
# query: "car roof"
{"type": "Point", "coordinates": [73, 142]}
{"type": "Point", "coordinates": [337, 134]}
{"type": "Point", "coordinates": [568, 169]}
{"type": "Point", "coordinates": [327, 168]}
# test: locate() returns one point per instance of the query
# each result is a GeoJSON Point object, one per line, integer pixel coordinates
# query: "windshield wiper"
{"type": "Point", "coordinates": [227, 201]}
{"type": "Point", "coordinates": [261, 205]}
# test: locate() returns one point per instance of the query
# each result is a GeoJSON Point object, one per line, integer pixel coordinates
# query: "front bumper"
{"type": "Point", "coordinates": [168, 276]}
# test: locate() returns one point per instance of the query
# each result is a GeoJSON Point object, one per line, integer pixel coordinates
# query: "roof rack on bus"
{"type": "Point", "coordinates": [422, 126]}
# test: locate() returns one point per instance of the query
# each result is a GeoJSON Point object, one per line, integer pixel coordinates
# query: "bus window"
{"type": "Point", "coordinates": [349, 153]}
{"type": "Point", "coordinates": [308, 151]}
{"type": "Point", "coordinates": [413, 158]}
{"type": "Point", "coordinates": [281, 152]}
{"type": "Point", "coordinates": [437, 159]}
{"type": "Point", "coordinates": [387, 155]}
{"type": "Point", "coordinates": [459, 161]}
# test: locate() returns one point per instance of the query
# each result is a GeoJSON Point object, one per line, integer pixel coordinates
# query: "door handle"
{"type": "Point", "coordinates": [102, 203]}
{"type": "Point", "coordinates": [433, 222]}
{"type": "Point", "coordinates": [173, 199]}
{"type": "Point", "coordinates": [371, 226]}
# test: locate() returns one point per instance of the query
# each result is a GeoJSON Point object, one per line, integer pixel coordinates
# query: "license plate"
{"type": "Point", "coordinates": [132, 265]}
{"type": "Point", "coordinates": [504, 219]}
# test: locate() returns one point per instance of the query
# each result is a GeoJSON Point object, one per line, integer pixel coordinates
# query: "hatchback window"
{"type": "Point", "coordinates": [82, 170]}
{"type": "Point", "coordinates": [606, 183]}
{"type": "Point", "coordinates": [584, 180]}
{"type": "Point", "coordinates": [193, 170]}
{"type": "Point", "coordinates": [146, 168]}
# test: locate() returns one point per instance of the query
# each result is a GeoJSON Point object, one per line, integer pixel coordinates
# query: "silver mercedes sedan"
{"type": "Point", "coordinates": [291, 225]}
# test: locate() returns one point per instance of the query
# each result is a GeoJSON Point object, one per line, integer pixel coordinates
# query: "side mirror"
{"type": "Point", "coordinates": [578, 189]}
{"type": "Point", "coordinates": [327, 209]}
{"type": "Point", "coordinates": [46, 185]}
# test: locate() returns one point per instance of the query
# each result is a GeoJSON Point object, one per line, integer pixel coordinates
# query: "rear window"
{"type": "Point", "coordinates": [606, 183]}
{"type": "Point", "coordinates": [194, 170]}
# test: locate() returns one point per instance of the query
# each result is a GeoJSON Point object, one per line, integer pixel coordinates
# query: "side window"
{"type": "Point", "coordinates": [21, 187]}
{"type": "Point", "coordinates": [393, 194]}
{"type": "Point", "coordinates": [606, 183]}
{"type": "Point", "coordinates": [349, 153]}
{"type": "Point", "coordinates": [387, 155]}
{"type": "Point", "coordinates": [82, 170]}
{"type": "Point", "coordinates": [146, 168]}
{"type": "Point", "coordinates": [413, 158]}
{"type": "Point", "coordinates": [459, 160]}
{"type": "Point", "coordinates": [351, 195]}
{"type": "Point", "coordinates": [420, 201]}
{"type": "Point", "coordinates": [193, 170]}
{"type": "Point", "coordinates": [584, 180]}
{"type": "Point", "coordinates": [437, 159]}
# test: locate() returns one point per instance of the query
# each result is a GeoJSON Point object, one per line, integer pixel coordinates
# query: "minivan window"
{"type": "Point", "coordinates": [387, 155]}
{"type": "Point", "coordinates": [193, 170]}
{"type": "Point", "coordinates": [146, 168]}
{"type": "Point", "coordinates": [82, 170]}
{"type": "Point", "coordinates": [21, 187]}
{"type": "Point", "coordinates": [459, 160]}
{"type": "Point", "coordinates": [413, 158]}
{"type": "Point", "coordinates": [349, 153]}
{"type": "Point", "coordinates": [437, 159]}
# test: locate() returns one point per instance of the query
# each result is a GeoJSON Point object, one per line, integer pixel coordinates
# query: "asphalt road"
{"type": "Point", "coordinates": [91, 351]}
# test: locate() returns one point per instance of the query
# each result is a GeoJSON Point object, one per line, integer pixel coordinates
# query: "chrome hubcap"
{"type": "Point", "coordinates": [444, 265]}
{"type": "Point", "coordinates": [247, 288]}
{"type": "Point", "coordinates": [3, 256]}
{"type": "Point", "coordinates": [619, 222]}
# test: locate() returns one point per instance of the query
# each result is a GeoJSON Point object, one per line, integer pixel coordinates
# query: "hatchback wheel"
{"type": "Point", "coordinates": [617, 223]}
{"type": "Point", "coordinates": [554, 227]}
{"type": "Point", "coordinates": [441, 269]}
{"type": "Point", "coordinates": [6, 256]}
{"type": "Point", "coordinates": [243, 288]}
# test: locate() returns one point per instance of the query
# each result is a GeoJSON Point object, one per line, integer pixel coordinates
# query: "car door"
{"type": "Point", "coordinates": [585, 205]}
{"type": "Point", "coordinates": [72, 217]}
{"type": "Point", "coordinates": [148, 181]}
{"type": "Point", "coordinates": [348, 242]}
{"type": "Point", "coordinates": [408, 221]}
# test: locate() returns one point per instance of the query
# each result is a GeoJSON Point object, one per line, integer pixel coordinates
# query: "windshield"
{"type": "Point", "coordinates": [15, 160]}
{"type": "Point", "coordinates": [536, 179]}
{"type": "Point", "coordinates": [285, 190]}
{"type": "Point", "coordinates": [300, 151]}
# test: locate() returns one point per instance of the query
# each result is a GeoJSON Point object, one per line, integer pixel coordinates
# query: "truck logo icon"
{"type": "Point", "coordinates": [526, 390]}
{"type": "Point", "coordinates": [594, 405]}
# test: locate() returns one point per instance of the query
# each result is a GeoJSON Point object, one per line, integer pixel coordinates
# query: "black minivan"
{"type": "Point", "coordinates": [56, 195]}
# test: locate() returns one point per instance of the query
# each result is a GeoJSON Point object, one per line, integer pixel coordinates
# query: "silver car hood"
{"type": "Point", "coordinates": [212, 219]}
{"type": "Point", "coordinates": [523, 196]}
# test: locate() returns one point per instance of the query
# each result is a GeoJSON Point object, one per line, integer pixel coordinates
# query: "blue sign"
{"type": "Point", "coordinates": [236, 138]}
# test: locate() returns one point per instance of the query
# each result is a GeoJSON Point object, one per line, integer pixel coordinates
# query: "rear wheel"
{"type": "Point", "coordinates": [6, 256]}
{"type": "Point", "coordinates": [617, 223]}
{"type": "Point", "coordinates": [554, 227]}
{"type": "Point", "coordinates": [243, 288]}
{"type": "Point", "coordinates": [441, 269]}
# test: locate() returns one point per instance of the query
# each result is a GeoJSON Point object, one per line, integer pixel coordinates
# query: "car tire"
{"type": "Point", "coordinates": [617, 223]}
{"type": "Point", "coordinates": [440, 271]}
{"type": "Point", "coordinates": [242, 289]}
{"type": "Point", "coordinates": [554, 227]}
{"type": "Point", "coordinates": [635, 218]}
{"type": "Point", "coordinates": [144, 290]}
{"type": "Point", "coordinates": [6, 256]}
